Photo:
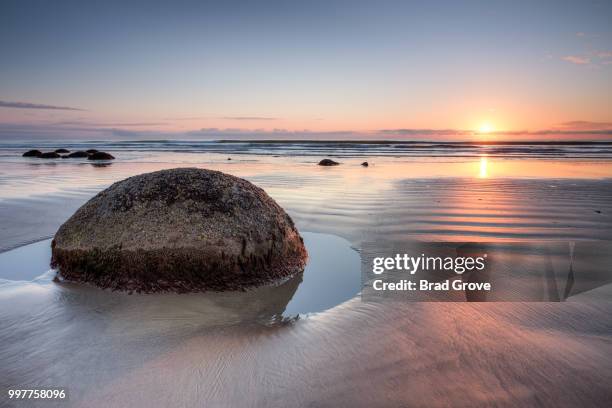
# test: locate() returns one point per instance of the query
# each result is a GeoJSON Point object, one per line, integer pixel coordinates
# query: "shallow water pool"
{"type": "Point", "coordinates": [332, 276]}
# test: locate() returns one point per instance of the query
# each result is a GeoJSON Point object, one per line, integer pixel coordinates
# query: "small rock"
{"type": "Point", "coordinates": [32, 153]}
{"type": "Point", "coordinates": [328, 162]}
{"type": "Point", "coordinates": [365, 164]}
{"type": "Point", "coordinates": [78, 154]}
{"type": "Point", "coordinates": [91, 151]}
{"type": "Point", "coordinates": [101, 156]}
{"type": "Point", "coordinates": [49, 155]}
{"type": "Point", "coordinates": [62, 151]}
{"type": "Point", "coordinates": [598, 211]}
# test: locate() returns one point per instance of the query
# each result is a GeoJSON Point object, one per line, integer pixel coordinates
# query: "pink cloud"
{"type": "Point", "coordinates": [577, 59]}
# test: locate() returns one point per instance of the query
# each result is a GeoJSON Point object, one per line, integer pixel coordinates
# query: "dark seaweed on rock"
{"type": "Point", "coordinates": [179, 230]}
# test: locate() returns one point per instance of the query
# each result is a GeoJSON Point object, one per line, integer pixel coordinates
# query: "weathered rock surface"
{"type": "Point", "coordinates": [179, 230]}
{"type": "Point", "coordinates": [78, 154]}
{"type": "Point", "coordinates": [32, 153]}
{"type": "Point", "coordinates": [49, 155]}
{"type": "Point", "coordinates": [100, 156]}
{"type": "Point", "coordinates": [328, 162]}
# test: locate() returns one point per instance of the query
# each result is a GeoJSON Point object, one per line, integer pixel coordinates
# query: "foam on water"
{"type": "Point", "coordinates": [347, 148]}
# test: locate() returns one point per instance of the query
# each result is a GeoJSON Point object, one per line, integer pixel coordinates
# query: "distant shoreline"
{"type": "Point", "coordinates": [410, 142]}
{"type": "Point", "coordinates": [415, 143]}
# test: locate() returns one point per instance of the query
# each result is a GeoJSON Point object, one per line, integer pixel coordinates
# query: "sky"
{"type": "Point", "coordinates": [411, 70]}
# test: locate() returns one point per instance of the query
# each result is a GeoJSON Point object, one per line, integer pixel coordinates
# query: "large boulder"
{"type": "Point", "coordinates": [100, 156]}
{"type": "Point", "coordinates": [179, 230]}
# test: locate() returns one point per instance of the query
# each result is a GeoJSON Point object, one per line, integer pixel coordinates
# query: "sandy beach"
{"type": "Point", "coordinates": [112, 349]}
{"type": "Point", "coordinates": [276, 204]}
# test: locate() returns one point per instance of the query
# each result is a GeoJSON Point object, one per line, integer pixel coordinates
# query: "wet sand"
{"type": "Point", "coordinates": [114, 350]}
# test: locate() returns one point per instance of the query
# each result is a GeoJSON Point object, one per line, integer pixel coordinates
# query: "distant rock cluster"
{"type": "Point", "coordinates": [328, 162]}
{"type": "Point", "coordinates": [91, 154]}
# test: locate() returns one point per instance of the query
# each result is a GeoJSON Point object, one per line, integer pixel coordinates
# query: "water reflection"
{"type": "Point", "coordinates": [331, 277]}
{"type": "Point", "coordinates": [103, 164]}
{"type": "Point", "coordinates": [484, 173]}
{"type": "Point", "coordinates": [23, 178]}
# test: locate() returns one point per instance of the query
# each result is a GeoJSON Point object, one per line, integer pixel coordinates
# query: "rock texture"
{"type": "Point", "coordinates": [32, 153]}
{"type": "Point", "coordinates": [49, 155]}
{"type": "Point", "coordinates": [100, 156]}
{"type": "Point", "coordinates": [62, 151]}
{"type": "Point", "coordinates": [328, 162]}
{"type": "Point", "coordinates": [179, 230]}
{"type": "Point", "coordinates": [78, 154]}
{"type": "Point", "coordinates": [91, 151]}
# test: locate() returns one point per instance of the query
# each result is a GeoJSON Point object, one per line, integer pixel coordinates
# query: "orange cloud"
{"type": "Point", "coordinates": [585, 125]}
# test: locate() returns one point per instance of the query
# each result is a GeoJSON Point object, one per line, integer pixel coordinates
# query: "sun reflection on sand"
{"type": "Point", "coordinates": [484, 173]}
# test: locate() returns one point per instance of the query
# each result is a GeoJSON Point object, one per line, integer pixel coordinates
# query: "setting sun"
{"type": "Point", "coordinates": [485, 128]}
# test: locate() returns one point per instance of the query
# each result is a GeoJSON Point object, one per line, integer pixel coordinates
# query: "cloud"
{"type": "Point", "coordinates": [239, 118]}
{"type": "Point", "coordinates": [276, 134]}
{"type": "Point", "coordinates": [247, 118]}
{"type": "Point", "coordinates": [187, 118]}
{"type": "Point", "coordinates": [573, 130]}
{"type": "Point", "coordinates": [26, 105]}
{"type": "Point", "coordinates": [577, 59]}
{"type": "Point", "coordinates": [430, 132]}
{"type": "Point", "coordinates": [587, 36]}
{"type": "Point", "coordinates": [583, 125]}
{"type": "Point", "coordinates": [109, 124]}
{"type": "Point", "coordinates": [590, 58]}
